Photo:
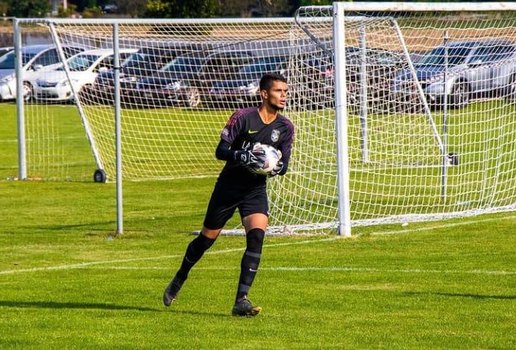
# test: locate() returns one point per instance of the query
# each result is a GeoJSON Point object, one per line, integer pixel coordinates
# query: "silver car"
{"type": "Point", "coordinates": [34, 58]}
{"type": "Point", "coordinates": [476, 69]}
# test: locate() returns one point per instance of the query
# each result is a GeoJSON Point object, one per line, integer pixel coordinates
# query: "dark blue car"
{"type": "Point", "coordinates": [242, 88]}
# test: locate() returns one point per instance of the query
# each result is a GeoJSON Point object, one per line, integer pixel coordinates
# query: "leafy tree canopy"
{"type": "Point", "coordinates": [27, 8]}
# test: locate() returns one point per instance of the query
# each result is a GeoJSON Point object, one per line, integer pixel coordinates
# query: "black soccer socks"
{"type": "Point", "coordinates": [250, 261]}
{"type": "Point", "coordinates": [194, 253]}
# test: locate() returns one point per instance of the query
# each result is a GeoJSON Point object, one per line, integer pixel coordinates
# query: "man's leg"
{"type": "Point", "coordinates": [221, 207]}
{"type": "Point", "coordinates": [194, 253]}
{"type": "Point", "coordinates": [255, 225]}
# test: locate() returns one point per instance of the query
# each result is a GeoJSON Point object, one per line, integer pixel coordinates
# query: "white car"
{"type": "Point", "coordinates": [54, 86]}
{"type": "Point", "coordinates": [34, 58]}
{"type": "Point", "coordinates": [5, 49]}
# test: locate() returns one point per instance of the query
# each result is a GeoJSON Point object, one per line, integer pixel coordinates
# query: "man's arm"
{"type": "Point", "coordinates": [224, 152]}
{"type": "Point", "coordinates": [254, 159]}
{"type": "Point", "coordinates": [285, 148]}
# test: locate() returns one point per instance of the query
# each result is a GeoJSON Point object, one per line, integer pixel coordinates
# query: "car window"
{"type": "Point", "coordinates": [7, 61]}
{"type": "Point", "coordinates": [47, 58]}
{"type": "Point", "coordinates": [106, 62]}
{"type": "Point", "coordinates": [258, 68]}
{"type": "Point", "coordinates": [162, 60]}
{"type": "Point", "coordinates": [183, 64]}
{"type": "Point", "coordinates": [52, 56]}
{"type": "Point", "coordinates": [69, 51]}
{"type": "Point", "coordinates": [81, 63]}
{"type": "Point", "coordinates": [456, 55]}
{"type": "Point", "coordinates": [4, 51]}
{"type": "Point", "coordinates": [388, 58]}
{"type": "Point", "coordinates": [212, 65]}
{"type": "Point", "coordinates": [487, 54]}
{"type": "Point", "coordinates": [136, 60]}
{"type": "Point", "coordinates": [124, 56]}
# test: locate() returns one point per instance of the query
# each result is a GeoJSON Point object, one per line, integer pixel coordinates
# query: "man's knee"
{"type": "Point", "coordinates": [210, 233]}
{"type": "Point", "coordinates": [255, 239]}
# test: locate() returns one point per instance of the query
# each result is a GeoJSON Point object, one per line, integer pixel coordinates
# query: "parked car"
{"type": "Point", "coordinates": [54, 86]}
{"type": "Point", "coordinates": [315, 74]}
{"type": "Point", "coordinates": [5, 49]}
{"type": "Point", "coordinates": [174, 84]}
{"type": "Point", "coordinates": [187, 80]}
{"type": "Point", "coordinates": [34, 58]}
{"type": "Point", "coordinates": [219, 66]}
{"type": "Point", "coordinates": [146, 62]}
{"type": "Point", "coordinates": [476, 69]}
{"type": "Point", "coordinates": [242, 88]}
{"type": "Point", "coordinates": [381, 67]}
{"type": "Point", "coordinates": [311, 80]}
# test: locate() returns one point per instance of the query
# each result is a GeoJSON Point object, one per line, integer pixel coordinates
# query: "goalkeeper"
{"type": "Point", "coordinates": [239, 187]}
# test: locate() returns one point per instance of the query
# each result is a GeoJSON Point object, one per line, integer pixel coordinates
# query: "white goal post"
{"type": "Point", "coordinates": [403, 111]}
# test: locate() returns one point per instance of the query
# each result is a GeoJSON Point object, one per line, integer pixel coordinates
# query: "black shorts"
{"type": "Point", "coordinates": [227, 197]}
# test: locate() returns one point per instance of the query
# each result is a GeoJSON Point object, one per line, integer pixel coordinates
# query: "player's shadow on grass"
{"type": "Point", "coordinates": [91, 225]}
{"type": "Point", "coordinates": [99, 306]}
{"type": "Point", "coordinates": [465, 295]}
{"type": "Point", "coordinates": [71, 305]}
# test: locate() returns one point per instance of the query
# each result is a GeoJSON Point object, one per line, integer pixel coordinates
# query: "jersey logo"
{"type": "Point", "coordinates": [275, 135]}
{"type": "Point", "coordinates": [252, 131]}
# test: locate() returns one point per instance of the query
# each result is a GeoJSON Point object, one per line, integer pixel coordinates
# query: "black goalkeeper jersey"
{"type": "Point", "coordinates": [243, 130]}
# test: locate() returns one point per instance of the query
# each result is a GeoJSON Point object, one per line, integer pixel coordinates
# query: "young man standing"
{"type": "Point", "coordinates": [239, 187]}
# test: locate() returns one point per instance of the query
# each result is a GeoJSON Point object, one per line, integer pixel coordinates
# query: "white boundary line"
{"type": "Point", "coordinates": [94, 263]}
{"type": "Point", "coordinates": [324, 269]}
{"type": "Point", "coordinates": [429, 228]}
{"type": "Point", "coordinates": [94, 266]}
{"type": "Point", "coordinates": [328, 239]}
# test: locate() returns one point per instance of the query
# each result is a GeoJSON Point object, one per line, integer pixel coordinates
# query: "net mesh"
{"type": "Point", "coordinates": [430, 106]}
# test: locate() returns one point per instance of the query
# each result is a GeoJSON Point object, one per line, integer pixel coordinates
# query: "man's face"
{"type": "Point", "coordinates": [276, 96]}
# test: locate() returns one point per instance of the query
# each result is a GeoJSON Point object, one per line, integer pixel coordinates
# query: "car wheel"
{"type": "Point", "coordinates": [192, 97]}
{"type": "Point", "coordinates": [459, 96]}
{"type": "Point", "coordinates": [28, 92]}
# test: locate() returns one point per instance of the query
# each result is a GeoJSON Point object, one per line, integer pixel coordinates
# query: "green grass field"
{"type": "Point", "coordinates": [65, 284]}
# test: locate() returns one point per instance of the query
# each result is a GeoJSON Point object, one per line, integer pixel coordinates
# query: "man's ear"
{"type": "Point", "coordinates": [264, 94]}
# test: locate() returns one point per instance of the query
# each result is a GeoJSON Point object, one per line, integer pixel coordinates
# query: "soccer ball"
{"type": "Point", "coordinates": [272, 157]}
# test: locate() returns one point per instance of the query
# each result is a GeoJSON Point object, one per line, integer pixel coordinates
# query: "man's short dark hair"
{"type": "Point", "coordinates": [267, 80]}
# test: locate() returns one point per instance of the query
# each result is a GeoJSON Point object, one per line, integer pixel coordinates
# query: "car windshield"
{"type": "Point", "coordinates": [7, 61]}
{"type": "Point", "coordinates": [183, 64]}
{"type": "Point", "coordinates": [456, 55]}
{"type": "Point", "coordinates": [136, 60]}
{"type": "Point", "coordinates": [260, 67]}
{"type": "Point", "coordinates": [319, 64]}
{"type": "Point", "coordinates": [81, 63]}
{"type": "Point", "coordinates": [492, 53]}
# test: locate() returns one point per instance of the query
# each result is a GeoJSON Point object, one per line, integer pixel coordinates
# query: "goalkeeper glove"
{"type": "Point", "coordinates": [253, 159]}
{"type": "Point", "coordinates": [277, 169]}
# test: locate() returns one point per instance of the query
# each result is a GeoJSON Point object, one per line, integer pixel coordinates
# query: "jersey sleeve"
{"type": "Point", "coordinates": [234, 126]}
{"type": "Point", "coordinates": [286, 145]}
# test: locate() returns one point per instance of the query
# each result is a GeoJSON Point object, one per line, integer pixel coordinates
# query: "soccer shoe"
{"type": "Point", "coordinates": [170, 294]}
{"type": "Point", "coordinates": [244, 307]}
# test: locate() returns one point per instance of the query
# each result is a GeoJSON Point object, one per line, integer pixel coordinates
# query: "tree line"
{"type": "Point", "coordinates": [163, 8]}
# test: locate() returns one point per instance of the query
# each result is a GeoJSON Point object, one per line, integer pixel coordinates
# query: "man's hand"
{"type": "Point", "coordinates": [254, 159]}
{"type": "Point", "coordinates": [276, 170]}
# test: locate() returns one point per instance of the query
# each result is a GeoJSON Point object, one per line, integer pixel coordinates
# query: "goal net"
{"type": "Point", "coordinates": [429, 106]}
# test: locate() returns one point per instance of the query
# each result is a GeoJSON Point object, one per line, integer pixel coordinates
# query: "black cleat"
{"type": "Point", "coordinates": [244, 307]}
{"type": "Point", "coordinates": [170, 294]}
